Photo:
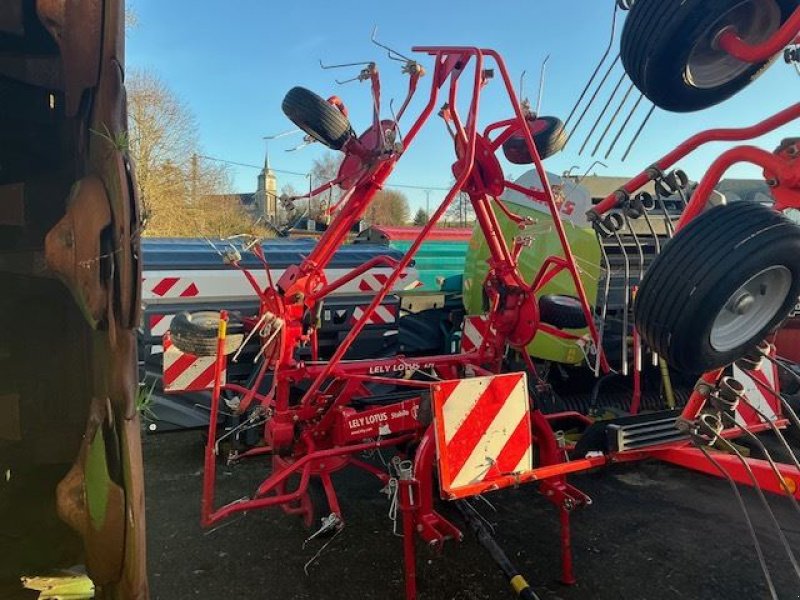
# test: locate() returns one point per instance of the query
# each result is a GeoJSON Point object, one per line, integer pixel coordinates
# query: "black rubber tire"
{"type": "Point", "coordinates": [319, 119]}
{"type": "Point", "coordinates": [563, 312]}
{"type": "Point", "coordinates": [549, 141]}
{"type": "Point", "coordinates": [689, 283]}
{"type": "Point", "coordinates": [196, 333]}
{"type": "Point", "coordinates": [658, 39]}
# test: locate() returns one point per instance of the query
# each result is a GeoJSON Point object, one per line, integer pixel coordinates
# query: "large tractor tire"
{"type": "Point", "coordinates": [725, 281]}
{"type": "Point", "coordinates": [670, 53]}
{"type": "Point", "coordinates": [549, 137]}
{"type": "Point", "coordinates": [319, 119]}
{"type": "Point", "coordinates": [197, 333]}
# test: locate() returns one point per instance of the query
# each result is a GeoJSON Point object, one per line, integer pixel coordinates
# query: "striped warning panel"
{"type": "Point", "coordinates": [760, 387]}
{"type": "Point", "coordinates": [383, 315]}
{"type": "Point", "coordinates": [474, 332]}
{"type": "Point", "coordinates": [374, 281]}
{"type": "Point", "coordinates": [169, 287]}
{"type": "Point", "coordinates": [483, 431]}
{"type": "Point", "coordinates": [183, 372]}
{"type": "Point", "coordinates": [159, 324]}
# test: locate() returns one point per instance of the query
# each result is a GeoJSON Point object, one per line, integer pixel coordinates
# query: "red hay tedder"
{"type": "Point", "coordinates": [461, 425]}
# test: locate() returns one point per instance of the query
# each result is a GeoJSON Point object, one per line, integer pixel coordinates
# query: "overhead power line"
{"type": "Point", "coordinates": [259, 167]}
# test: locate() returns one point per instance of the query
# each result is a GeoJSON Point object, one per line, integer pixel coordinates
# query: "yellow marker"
{"type": "Point", "coordinates": [519, 584]}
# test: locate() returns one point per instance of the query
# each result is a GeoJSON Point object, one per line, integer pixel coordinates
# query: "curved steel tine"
{"type": "Point", "coordinates": [592, 166]}
{"type": "Point", "coordinates": [624, 126]}
{"type": "Point", "coordinates": [343, 65]}
{"type": "Point", "coordinates": [593, 98]}
{"type": "Point", "coordinates": [541, 85]}
{"type": "Point", "coordinates": [626, 291]}
{"type": "Point", "coordinates": [638, 133]}
{"type": "Point", "coordinates": [751, 529]}
{"type": "Point", "coordinates": [393, 54]}
{"type": "Point", "coordinates": [604, 309]}
{"type": "Point", "coordinates": [603, 112]}
{"type": "Point", "coordinates": [613, 119]}
{"type": "Point", "coordinates": [765, 503]}
{"type": "Point", "coordinates": [597, 68]}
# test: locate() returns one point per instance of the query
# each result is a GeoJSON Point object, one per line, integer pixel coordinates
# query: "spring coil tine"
{"type": "Point", "coordinates": [754, 438]}
{"type": "Point", "coordinates": [592, 99]}
{"type": "Point", "coordinates": [793, 417]}
{"type": "Point", "coordinates": [606, 292]}
{"type": "Point", "coordinates": [597, 68]}
{"type": "Point", "coordinates": [765, 503]}
{"type": "Point", "coordinates": [625, 303]}
{"type": "Point", "coordinates": [638, 133]}
{"type": "Point", "coordinates": [751, 529]}
{"type": "Point", "coordinates": [667, 218]}
{"type": "Point", "coordinates": [638, 351]}
{"type": "Point", "coordinates": [603, 112]}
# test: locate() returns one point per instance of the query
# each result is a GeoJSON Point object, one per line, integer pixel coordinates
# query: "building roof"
{"type": "Point", "coordinates": [756, 190]}
{"type": "Point", "coordinates": [600, 186]}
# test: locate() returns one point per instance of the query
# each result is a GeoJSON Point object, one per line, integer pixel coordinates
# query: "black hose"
{"type": "Point", "coordinates": [485, 538]}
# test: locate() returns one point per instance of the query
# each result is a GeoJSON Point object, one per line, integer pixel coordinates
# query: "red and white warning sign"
{"type": "Point", "coordinates": [760, 387]}
{"type": "Point", "coordinates": [186, 372]}
{"type": "Point", "coordinates": [383, 315]}
{"type": "Point", "coordinates": [474, 332]}
{"type": "Point", "coordinates": [483, 431]}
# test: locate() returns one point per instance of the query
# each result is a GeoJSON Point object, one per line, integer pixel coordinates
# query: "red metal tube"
{"type": "Point", "coordinates": [691, 458]}
{"type": "Point", "coordinates": [731, 43]}
{"type": "Point", "coordinates": [406, 501]}
{"type": "Point", "coordinates": [303, 463]}
{"type": "Point", "coordinates": [406, 260]}
{"type": "Point", "coordinates": [751, 154]}
{"type": "Point", "coordinates": [387, 261]}
{"type": "Point", "coordinates": [567, 571]}
{"type": "Point", "coordinates": [698, 400]}
{"type": "Point", "coordinates": [210, 466]}
{"type": "Point", "coordinates": [712, 135]}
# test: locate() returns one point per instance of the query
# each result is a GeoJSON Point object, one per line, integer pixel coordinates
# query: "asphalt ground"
{"type": "Point", "coordinates": [653, 532]}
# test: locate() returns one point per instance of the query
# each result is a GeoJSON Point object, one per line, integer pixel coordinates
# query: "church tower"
{"type": "Point", "coordinates": [267, 192]}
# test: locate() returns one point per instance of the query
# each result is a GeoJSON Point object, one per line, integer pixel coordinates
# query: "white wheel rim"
{"type": "Point", "coordinates": [750, 308]}
{"type": "Point", "coordinates": [755, 21]}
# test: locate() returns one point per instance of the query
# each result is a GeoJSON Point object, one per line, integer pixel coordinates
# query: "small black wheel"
{"type": "Point", "coordinates": [549, 136]}
{"type": "Point", "coordinates": [669, 48]}
{"type": "Point", "coordinates": [562, 312]}
{"type": "Point", "coordinates": [720, 286]}
{"type": "Point", "coordinates": [196, 333]}
{"type": "Point", "coordinates": [319, 119]}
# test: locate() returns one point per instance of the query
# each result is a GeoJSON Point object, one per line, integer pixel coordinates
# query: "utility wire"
{"type": "Point", "coordinates": [251, 166]}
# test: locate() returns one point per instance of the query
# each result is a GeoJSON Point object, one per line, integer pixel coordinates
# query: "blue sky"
{"type": "Point", "coordinates": [233, 61]}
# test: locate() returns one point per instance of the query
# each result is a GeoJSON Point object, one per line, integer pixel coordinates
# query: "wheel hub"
{"type": "Point", "coordinates": [709, 66]}
{"type": "Point", "coordinates": [750, 308]}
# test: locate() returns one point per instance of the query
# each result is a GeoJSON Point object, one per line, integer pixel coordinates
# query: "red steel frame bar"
{"type": "Point", "coordinates": [210, 466]}
{"type": "Point", "coordinates": [713, 135]}
{"type": "Point", "coordinates": [694, 459]}
{"type": "Point", "coordinates": [417, 496]}
{"type": "Point", "coordinates": [731, 43]}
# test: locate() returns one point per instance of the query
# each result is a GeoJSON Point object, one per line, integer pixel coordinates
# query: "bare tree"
{"type": "Point", "coordinates": [460, 212]}
{"type": "Point", "coordinates": [324, 169]}
{"type": "Point", "coordinates": [174, 182]}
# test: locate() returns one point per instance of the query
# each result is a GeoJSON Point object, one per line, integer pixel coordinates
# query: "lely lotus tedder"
{"type": "Point", "coordinates": [464, 424]}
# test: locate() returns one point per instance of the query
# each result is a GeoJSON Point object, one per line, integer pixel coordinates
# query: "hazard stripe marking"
{"type": "Point", "coordinates": [483, 431]}
{"type": "Point", "coordinates": [475, 446]}
{"type": "Point", "coordinates": [165, 285]}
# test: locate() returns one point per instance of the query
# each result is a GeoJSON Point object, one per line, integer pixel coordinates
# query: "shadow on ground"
{"type": "Point", "coordinates": [653, 532]}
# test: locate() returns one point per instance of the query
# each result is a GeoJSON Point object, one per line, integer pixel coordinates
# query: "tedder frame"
{"type": "Point", "coordinates": [320, 416]}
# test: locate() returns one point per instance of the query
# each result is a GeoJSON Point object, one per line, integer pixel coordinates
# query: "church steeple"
{"type": "Point", "coordinates": [267, 192]}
